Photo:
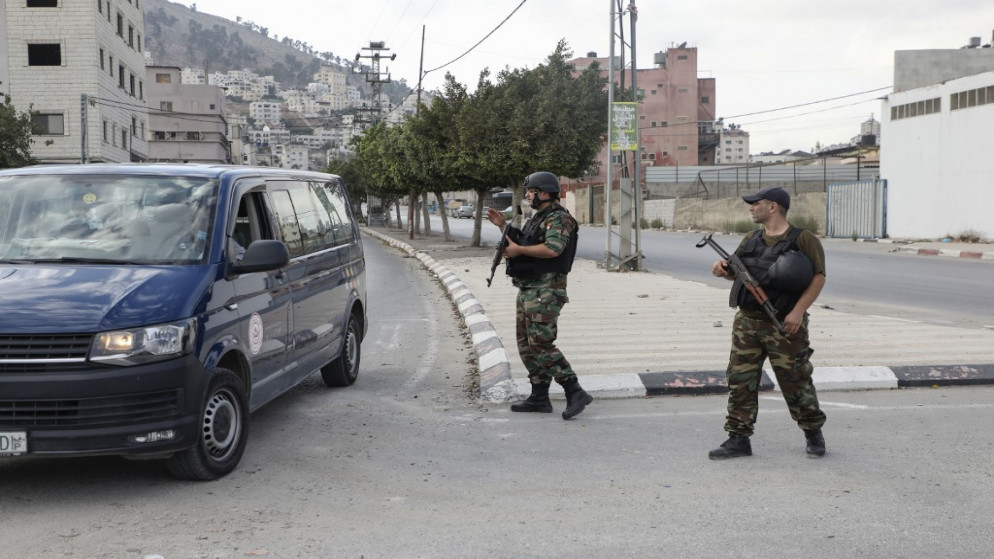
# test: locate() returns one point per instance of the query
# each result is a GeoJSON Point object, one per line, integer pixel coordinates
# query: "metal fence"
{"type": "Point", "coordinates": [857, 210]}
{"type": "Point", "coordinates": [712, 182]}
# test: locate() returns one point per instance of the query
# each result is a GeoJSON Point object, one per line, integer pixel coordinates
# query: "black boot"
{"type": "Point", "coordinates": [816, 443]}
{"type": "Point", "coordinates": [537, 402]}
{"type": "Point", "coordinates": [576, 399]}
{"type": "Point", "coordinates": [732, 448]}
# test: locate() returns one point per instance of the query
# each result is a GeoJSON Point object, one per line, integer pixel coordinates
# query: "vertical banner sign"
{"type": "Point", "coordinates": [624, 136]}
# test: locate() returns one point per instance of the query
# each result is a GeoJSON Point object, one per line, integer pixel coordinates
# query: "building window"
{"type": "Point", "coordinates": [48, 124]}
{"type": "Point", "coordinates": [681, 57]}
{"type": "Point", "coordinates": [163, 78]}
{"type": "Point", "coordinates": [120, 26]}
{"type": "Point", "coordinates": [705, 100]}
{"type": "Point", "coordinates": [110, 65]}
{"type": "Point", "coordinates": [652, 124]}
{"type": "Point", "coordinates": [918, 108]}
{"type": "Point", "coordinates": [124, 138]}
{"type": "Point", "coordinates": [141, 89]}
{"type": "Point", "coordinates": [120, 75]}
{"type": "Point", "coordinates": [102, 66]}
{"type": "Point", "coordinates": [43, 3]}
{"type": "Point", "coordinates": [45, 54]}
{"type": "Point", "coordinates": [105, 132]}
{"type": "Point", "coordinates": [134, 126]}
{"type": "Point", "coordinates": [166, 106]}
{"type": "Point", "coordinates": [100, 6]}
{"type": "Point", "coordinates": [682, 90]}
{"type": "Point", "coordinates": [652, 92]}
{"type": "Point", "coordinates": [139, 42]}
{"type": "Point", "coordinates": [131, 83]}
{"type": "Point", "coordinates": [131, 36]}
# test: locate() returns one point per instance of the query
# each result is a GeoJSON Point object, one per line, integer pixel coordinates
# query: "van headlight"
{"type": "Point", "coordinates": [144, 345]}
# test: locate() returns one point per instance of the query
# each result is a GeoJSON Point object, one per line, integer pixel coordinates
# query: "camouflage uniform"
{"type": "Point", "coordinates": [754, 338]}
{"type": "Point", "coordinates": [539, 303]}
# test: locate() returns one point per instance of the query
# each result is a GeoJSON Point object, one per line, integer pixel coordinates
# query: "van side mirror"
{"type": "Point", "coordinates": [262, 256]}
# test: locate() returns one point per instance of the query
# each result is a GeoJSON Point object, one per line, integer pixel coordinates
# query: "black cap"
{"type": "Point", "coordinates": [771, 193]}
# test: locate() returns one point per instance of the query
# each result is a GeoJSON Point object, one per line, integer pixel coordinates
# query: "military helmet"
{"type": "Point", "coordinates": [792, 272]}
{"type": "Point", "coordinates": [544, 181]}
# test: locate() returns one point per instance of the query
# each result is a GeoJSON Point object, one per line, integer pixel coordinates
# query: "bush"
{"type": "Point", "coordinates": [968, 236]}
{"type": "Point", "coordinates": [643, 223]}
{"type": "Point", "coordinates": [743, 226]}
{"type": "Point", "coordinates": [805, 222]}
{"type": "Point", "coordinates": [657, 223]}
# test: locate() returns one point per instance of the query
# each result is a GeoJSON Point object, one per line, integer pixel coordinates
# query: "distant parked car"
{"type": "Point", "coordinates": [465, 211]}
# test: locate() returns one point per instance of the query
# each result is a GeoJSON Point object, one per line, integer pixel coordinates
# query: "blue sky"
{"type": "Point", "coordinates": [764, 54]}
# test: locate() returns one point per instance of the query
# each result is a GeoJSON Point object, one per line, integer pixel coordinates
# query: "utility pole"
{"type": "Point", "coordinates": [623, 136]}
{"type": "Point", "coordinates": [375, 78]}
{"type": "Point", "coordinates": [84, 158]}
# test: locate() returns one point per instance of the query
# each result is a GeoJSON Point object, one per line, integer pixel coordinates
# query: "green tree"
{"type": "Point", "coordinates": [15, 136]}
{"type": "Point", "coordinates": [531, 120]}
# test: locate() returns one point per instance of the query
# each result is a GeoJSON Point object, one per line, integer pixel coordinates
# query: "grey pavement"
{"type": "Point", "coordinates": [644, 334]}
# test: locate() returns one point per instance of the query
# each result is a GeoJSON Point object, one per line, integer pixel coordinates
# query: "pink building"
{"type": "Point", "coordinates": [676, 114]}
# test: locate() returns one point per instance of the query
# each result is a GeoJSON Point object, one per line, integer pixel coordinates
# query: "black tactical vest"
{"type": "Point", "coordinates": [533, 233]}
{"type": "Point", "coordinates": [758, 258]}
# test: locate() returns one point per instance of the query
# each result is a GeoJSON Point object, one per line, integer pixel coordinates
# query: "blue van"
{"type": "Point", "coordinates": [147, 310]}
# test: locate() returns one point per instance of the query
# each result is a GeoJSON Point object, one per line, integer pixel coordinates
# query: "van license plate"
{"type": "Point", "coordinates": [13, 443]}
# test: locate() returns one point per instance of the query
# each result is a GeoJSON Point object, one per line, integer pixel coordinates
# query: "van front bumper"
{"type": "Point", "coordinates": [103, 411]}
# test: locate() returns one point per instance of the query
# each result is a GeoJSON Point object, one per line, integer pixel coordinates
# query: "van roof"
{"type": "Point", "coordinates": [164, 169]}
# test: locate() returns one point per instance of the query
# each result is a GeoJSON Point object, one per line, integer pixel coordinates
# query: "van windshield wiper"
{"type": "Point", "coordinates": [81, 260]}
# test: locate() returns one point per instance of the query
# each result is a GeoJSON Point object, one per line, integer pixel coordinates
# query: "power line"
{"type": "Point", "coordinates": [480, 41]}
{"type": "Point", "coordinates": [811, 103]}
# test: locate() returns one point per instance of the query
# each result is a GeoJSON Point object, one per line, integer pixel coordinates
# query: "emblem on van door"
{"type": "Point", "coordinates": [255, 333]}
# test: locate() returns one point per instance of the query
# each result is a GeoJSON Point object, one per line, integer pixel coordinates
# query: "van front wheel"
{"type": "Point", "coordinates": [221, 433]}
{"type": "Point", "coordinates": [344, 370]}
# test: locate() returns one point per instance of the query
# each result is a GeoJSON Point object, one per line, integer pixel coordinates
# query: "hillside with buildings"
{"type": "Point", "coordinates": [184, 37]}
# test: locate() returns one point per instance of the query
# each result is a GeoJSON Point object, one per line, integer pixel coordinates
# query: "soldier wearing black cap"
{"type": "Point", "coordinates": [793, 282]}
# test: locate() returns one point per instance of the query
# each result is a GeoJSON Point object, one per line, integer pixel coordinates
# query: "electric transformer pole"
{"type": "Point", "coordinates": [374, 77]}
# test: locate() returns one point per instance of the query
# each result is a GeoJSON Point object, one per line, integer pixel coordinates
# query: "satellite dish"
{"type": "Point", "coordinates": [682, 45]}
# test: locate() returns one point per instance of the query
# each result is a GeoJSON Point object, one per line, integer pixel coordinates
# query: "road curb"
{"type": "Point", "coordinates": [976, 255]}
{"type": "Point", "coordinates": [496, 384]}
{"type": "Point", "coordinates": [826, 379]}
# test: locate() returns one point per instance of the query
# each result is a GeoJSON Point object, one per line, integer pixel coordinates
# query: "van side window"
{"type": "Point", "coordinates": [286, 218]}
{"type": "Point", "coordinates": [250, 222]}
{"type": "Point", "coordinates": [332, 198]}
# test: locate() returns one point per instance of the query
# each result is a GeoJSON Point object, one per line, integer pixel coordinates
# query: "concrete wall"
{"type": "Point", "coordinates": [914, 69]}
{"type": "Point", "coordinates": [938, 166]}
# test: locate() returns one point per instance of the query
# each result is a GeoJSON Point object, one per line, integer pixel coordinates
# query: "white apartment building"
{"type": "Point", "coordinates": [71, 63]}
{"type": "Point", "coordinates": [733, 147]}
{"type": "Point", "coordinates": [334, 77]}
{"type": "Point", "coordinates": [265, 111]}
{"type": "Point", "coordinates": [186, 120]}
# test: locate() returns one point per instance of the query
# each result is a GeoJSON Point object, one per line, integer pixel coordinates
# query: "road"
{"type": "Point", "coordinates": [406, 463]}
{"type": "Point", "coordinates": [863, 278]}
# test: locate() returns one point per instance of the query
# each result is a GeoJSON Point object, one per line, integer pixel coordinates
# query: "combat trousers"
{"type": "Point", "coordinates": [753, 340]}
{"type": "Point", "coordinates": [537, 328]}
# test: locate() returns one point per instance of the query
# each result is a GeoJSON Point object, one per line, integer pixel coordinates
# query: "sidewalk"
{"type": "Point", "coordinates": [646, 334]}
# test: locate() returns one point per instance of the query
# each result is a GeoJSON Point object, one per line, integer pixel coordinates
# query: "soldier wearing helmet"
{"type": "Point", "coordinates": [789, 263]}
{"type": "Point", "coordinates": [539, 257]}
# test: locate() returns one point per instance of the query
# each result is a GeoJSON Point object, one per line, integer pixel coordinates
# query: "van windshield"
{"type": "Point", "coordinates": [106, 218]}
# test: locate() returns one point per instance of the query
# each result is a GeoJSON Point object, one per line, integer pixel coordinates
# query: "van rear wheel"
{"type": "Point", "coordinates": [344, 370]}
{"type": "Point", "coordinates": [221, 434]}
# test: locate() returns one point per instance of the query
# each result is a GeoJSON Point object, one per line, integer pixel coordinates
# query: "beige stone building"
{"type": "Point", "coordinates": [79, 68]}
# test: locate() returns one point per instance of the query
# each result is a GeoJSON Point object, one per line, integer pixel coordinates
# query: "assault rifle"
{"type": "Point", "coordinates": [742, 273]}
{"type": "Point", "coordinates": [502, 244]}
